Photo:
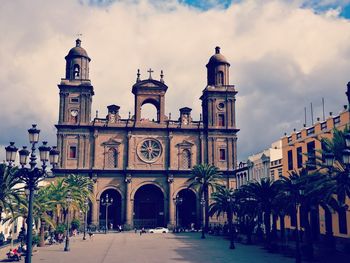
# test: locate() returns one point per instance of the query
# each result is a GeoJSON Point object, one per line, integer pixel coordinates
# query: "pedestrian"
{"type": "Point", "coordinates": [135, 229]}
{"type": "Point", "coordinates": [120, 228]}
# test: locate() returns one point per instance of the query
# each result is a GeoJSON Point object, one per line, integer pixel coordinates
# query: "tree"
{"type": "Point", "coordinates": [10, 188]}
{"type": "Point", "coordinates": [224, 201]}
{"type": "Point", "coordinates": [263, 192]}
{"type": "Point", "coordinates": [205, 178]}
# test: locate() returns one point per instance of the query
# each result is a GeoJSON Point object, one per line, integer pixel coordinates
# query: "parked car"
{"type": "Point", "coordinates": [159, 230]}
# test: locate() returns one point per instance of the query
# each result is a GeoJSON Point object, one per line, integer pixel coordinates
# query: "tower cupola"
{"type": "Point", "coordinates": [77, 63]}
{"type": "Point", "coordinates": [218, 69]}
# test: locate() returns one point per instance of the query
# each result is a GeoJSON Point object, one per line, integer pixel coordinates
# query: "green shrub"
{"type": "Point", "coordinates": [60, 229]}
{"type": "Point", "coordinates": [75, 224]}
{"type": "Point", "coordinates": [36, 240]}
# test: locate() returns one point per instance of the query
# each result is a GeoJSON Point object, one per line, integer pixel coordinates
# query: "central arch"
{"type": "Point", "coordinates": [149, 207]}
{"type": "Point", "coordinates": [187, 214]}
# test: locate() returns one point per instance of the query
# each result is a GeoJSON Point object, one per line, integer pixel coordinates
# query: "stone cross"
{"type": "Point", "coordinates": [150, 71]}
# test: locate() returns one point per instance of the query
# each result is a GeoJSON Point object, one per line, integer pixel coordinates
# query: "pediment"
{"type": "Point", "coordinates": [184, 143]}
{"type": "Point", "coordinates": [111, 142]}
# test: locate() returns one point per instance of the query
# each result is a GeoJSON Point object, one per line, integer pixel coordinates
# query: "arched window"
{"type": "Point", "coordinates": [186, 159]}
{"type": "Point", "coordinates": [220, 78]}
{"type": "Point", "coordinates": [76, 71]}
{"type": "Point", "coordinates": [112, 158]}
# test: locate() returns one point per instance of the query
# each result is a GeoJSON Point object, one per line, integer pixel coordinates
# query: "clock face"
{"type": "Point", "coordinates": [74, 113]}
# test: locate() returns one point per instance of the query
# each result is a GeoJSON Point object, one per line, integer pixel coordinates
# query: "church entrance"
{"type": "Point", "coordinates": [187, 214]}
{"type": "Point", "coordinates": [149, 207]}
{"type": "Point", "coordinates": [113, 209]}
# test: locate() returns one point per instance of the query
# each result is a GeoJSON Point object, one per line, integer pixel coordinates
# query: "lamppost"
{"type": "Point", "coordinates": [68, 201]}
{"type": "Point", "coordinates": [32, 175]}
{"type": "Point", "coordinates": [106, 202]}
{"type": "Point", "coordinates": [178, 201]}
{"type": "Point", "coordinates": [231, 200]}
{"type": "Point", "coordinates": [202, 207]}
{"type": "Point", "coordinates": [86, 203]}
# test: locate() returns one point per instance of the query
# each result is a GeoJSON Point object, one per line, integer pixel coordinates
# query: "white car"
{"type": "Point", "coordinates": [159, 230]}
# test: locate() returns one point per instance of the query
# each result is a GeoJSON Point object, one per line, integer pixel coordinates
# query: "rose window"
{"type": "Point", "coordinates": [150, 150]}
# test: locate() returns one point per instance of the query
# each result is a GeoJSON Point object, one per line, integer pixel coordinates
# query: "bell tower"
{"type": "Point", "coordinates": [219, 114]}
{"type": "Point", "coordinates": [76, 90]}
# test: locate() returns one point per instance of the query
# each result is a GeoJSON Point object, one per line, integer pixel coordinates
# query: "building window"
{"type": "Point", "coordinates": [272, 174]}
{"type": "Point", "coordinates": [220, 78]}
{"type": "Point", "coordinates": [298, 135]}
{"type": "Point", "coordinates": [300, 157]}
{"type": "Point", "coordinates": [336, 121]}
{"type": "Point", "coordinates": [290, 160]}
{"type": "Point", "coordinates": [74, 100]}
{"type": "Point", "coordinates": [323, 126]}
{"type": "Point", "coordinates": [342, 221]}
{"type": "Point", "coordinates": [311, 154]}
{"type": "Point", "coordinates": [279, 170]}
{"type": "Point", "coordinates": [186, 159]}
{"type": "Point", "coordinates": [310, 131]}
{"type": "Point", "coordinates": [73, 152]}
{"type": "Point", "coordinates": [222, 154]}
{"type": "Point", "coordinates": [289, 139]}
{"type": "Point", "coordinates": [76, 71]}
{"type": "Point", "coordinates": [112, 158]}
{"type": "Point", "coordinates": [221, 120]}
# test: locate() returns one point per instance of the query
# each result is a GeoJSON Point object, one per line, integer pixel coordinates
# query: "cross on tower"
{"type": "Point", "coordinates": [150, 71]}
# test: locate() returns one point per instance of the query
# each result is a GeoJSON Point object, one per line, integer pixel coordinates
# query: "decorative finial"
{"type": "Point", "coordinates": [217, 50]}
{"type": "Point", "coordinates": [161, 76]}
{"type": "Point", "coordinates": [138, 75]}
{"type": "Point", "coordinates": [97, 114]}
{"type": "Point", "coordinates": [169, 116]}
{"type": "Point", "coordinates": [129, 114]}
{"type": "Point", "coordinates": [78, 42]}
{"type": "Point", "coordinates": [150, 71]}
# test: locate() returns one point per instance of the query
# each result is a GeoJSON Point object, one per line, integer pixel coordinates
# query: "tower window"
{"type": "Point", "coordinates": [220, 78]}
{"type": "Point", "coordinates": [73, 152]}
{"type": "Point", "coordinates": [222, 154]}
{"type": "Point", "coordinates": [74, 100]}
{"type": "Point", "coordinates": [221, 120]}
{"type": "Point", "coordinates": [76, 71]}
{"type": "Point", "coordinates": [112, 158]}
{"type": "Point", "coordinates": [186, 159]}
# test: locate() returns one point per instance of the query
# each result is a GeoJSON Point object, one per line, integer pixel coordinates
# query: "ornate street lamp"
{"type": "Point", "coordinates": [86, 203]}
{"type": "Point", "coordinates": [178, 201]}
{"type": "Point", "coordinates": [68, 201]}
{"type": "Point", "coordinates": [32, 175]}
{"type": "Point", "coordinates": [202, 208]}
{"type": "Point", "coordinates": [106, 202]}
{"type": "Point", "coordinates": [231, 200]}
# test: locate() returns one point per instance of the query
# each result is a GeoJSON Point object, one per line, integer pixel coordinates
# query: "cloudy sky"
{"type": "Point", "coordinates": [284, 55]}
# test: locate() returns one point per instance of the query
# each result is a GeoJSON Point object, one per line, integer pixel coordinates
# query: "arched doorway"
{"type": "Point", "coordinates": [114, 210]}
{"type": "Point", "coordinates": [187, 213]}
{"type": "Point", "coordinates": [149, 207]}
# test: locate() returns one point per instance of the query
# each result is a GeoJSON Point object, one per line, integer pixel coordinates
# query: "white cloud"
{"type": "Point", "coordinates": [282, 57]}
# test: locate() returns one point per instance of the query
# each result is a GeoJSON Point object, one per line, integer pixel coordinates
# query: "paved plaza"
{"type": "Point", "coordinates": [154, 248]}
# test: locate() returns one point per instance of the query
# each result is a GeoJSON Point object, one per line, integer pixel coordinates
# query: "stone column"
{"type": "Point", "coordinates": [127, 165]}
{"type": "Point", "coordinates": [95, 206]}
{"type": "Point", "coordinates": [170, 137]}
{"type": "Point", "coordinates": [171, 221]}
{"type": "Point", "coordinates": [128, 202]}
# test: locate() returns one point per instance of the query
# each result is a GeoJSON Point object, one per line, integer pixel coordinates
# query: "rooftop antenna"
{"type": "Point", "coordinates": [312, 114]}
{"type": "Point", "coordinates": [305, 116]}
{"type": "Point", "coordinates": [324, 117]}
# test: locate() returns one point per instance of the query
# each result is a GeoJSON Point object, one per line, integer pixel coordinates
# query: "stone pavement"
{"type": "Point", "coordinates": [154, 248]}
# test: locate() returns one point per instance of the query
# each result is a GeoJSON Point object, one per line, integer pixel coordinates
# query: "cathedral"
{"type": "Point", "coordinates": [142, 165]}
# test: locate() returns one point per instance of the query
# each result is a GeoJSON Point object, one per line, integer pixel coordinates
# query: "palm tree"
{"type": "Point", "coordinates": [224, 202]}
{"type": "Point", "coordinates": [205, 178]}
{"type": "Point", "coordinates": [10, 189]}
{"type": "Point", "coordinates": [264, 193]}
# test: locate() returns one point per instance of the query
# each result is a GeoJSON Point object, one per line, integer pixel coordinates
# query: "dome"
{"type": "Point", "coordinates": [77, 51]}
{"type": "Point", "coordinates": [217, 58]}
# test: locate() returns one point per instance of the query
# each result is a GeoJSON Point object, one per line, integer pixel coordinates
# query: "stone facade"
{"type": "Point", "coordinates": [126, 157]}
